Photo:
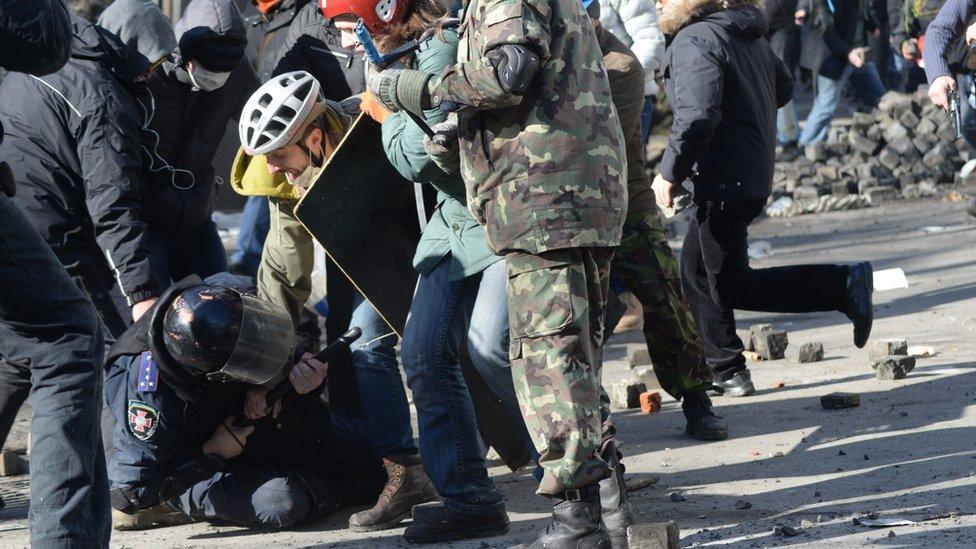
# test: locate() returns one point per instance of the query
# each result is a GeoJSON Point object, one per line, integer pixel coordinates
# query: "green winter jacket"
{"type": "Point", "coordinates": [452, 232]}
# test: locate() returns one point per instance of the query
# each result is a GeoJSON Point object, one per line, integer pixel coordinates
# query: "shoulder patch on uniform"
{"type": "Point", "coordinates": [148, 373]}
{"type": "Point", "coordinates": [142, 419]}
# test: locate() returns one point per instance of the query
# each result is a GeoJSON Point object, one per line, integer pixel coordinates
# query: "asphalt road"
{"type": "Point", "coordinates": [907, 452]}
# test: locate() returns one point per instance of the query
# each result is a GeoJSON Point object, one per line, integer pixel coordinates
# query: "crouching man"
{"type": "Point", "coordinates": [177, 379]}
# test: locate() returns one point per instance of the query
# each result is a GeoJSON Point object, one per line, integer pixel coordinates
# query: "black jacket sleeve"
{"type": "Point", "coordinates": [35, 35]}
{"type": "Point", "coordinates": [292, 55]}
{"type": "Point", "coordinates": [696, 85]}
{"type": "Point", "coordinates": [110, 165]}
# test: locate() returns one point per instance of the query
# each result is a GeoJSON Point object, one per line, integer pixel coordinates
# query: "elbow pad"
{"type": "Point", "coordinates": [515, 66]}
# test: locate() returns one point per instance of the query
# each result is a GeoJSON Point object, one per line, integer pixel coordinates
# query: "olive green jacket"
{"type": "Point", "coordinates": [452, 232]}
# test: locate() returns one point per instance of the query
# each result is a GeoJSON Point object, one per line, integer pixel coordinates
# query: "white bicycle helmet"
{"type": "Point", "coordinates": [279, 111]}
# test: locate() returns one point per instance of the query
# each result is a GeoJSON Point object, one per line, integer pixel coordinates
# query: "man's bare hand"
{"type": "Point", "coordinates": [663, 191]}
{"type": "Point", "coordinates": [227, 440]}
{"type": "Point", "coordinates": [909, 50]}
{"type": "Point", "coordinates": [939, 91]}
{"type": "Point", "coordinates": [308, 374]}
{"type": "Point", "coordinates": [857, 57]}
{"type": "Point", "coordinates": [141, 308]}
{"type": "Point", "coordinates": [256, 404]}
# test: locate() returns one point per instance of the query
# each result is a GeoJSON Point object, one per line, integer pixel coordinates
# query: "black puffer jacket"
{"type": "Point", "coordinates": [266, 35]}
{"type": "Point", "coordinates": [314, 45]}
{"type": "Point", "coordinates": [35, 35]}
{"type": "Point", "coordinates": [724, 84]}
{"type": "Point", "coordinates": [70, 146]}
{"type": "Point", "coordinates": [187, 126]}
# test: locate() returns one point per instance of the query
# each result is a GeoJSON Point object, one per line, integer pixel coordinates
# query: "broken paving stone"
{"type": "Point", "coordinates": [12, 463]}
{"type": "Point", "coordinates": [743, 504]}
{"type": "Point", "coordinates": [878, 195]}
{"type": "Point", "coordinates": [880, 348]}
{"type": "Point", "coordinates": [806, 524]}
{"type": "Point", "coordinates": [625, 395]}
{"type": "Point", "coordinates": [839, 401]}
{"type": "Point", "coordinates": [639, 357]}
{"type": "Point", "coordinates": [893, 367]}
{"type": "Point", "coordinates": [810, 352]}
{"type": "Point", "coordinates": [650, 402]}
{"type": "Point", "coordinates": [678, 497]}
{"type": "Point", "coordinates": [654, 535]}
{"type": "Point", "coordinates": [768, 342]}
{"type": "Point", "coordinates": [788, 531]}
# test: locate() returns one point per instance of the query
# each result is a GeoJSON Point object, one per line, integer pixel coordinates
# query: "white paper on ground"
{"type": "Point", "coordinates": [889, 279]}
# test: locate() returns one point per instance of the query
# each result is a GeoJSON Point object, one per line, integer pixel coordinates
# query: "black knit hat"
{"type": "Point", "coordinates": [216, 52]}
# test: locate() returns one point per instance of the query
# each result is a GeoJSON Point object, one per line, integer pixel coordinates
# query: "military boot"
{"type": "Point", "coordinates": [157, 516]}
{"type": "Point", "coordinates": [703, 424]}
{"type": "Point", "coordinates": [617, 514]}
{"type": "Point", "coordinates": [575, 522]}
{"type": "Point", "coordinates": [407, 485]}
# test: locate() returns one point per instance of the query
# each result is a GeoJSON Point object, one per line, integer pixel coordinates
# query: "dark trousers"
{"type": "Point", "coordinates": [716, 278]}
{"type": "Point", "coordinates": [48, 325]}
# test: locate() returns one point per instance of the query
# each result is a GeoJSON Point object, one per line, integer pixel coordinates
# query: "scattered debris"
{"type": "Point", "coordinates": [893, 367]}
{"type": "Point", "coordinates": [654, 535]}
{"type": "Point", "coordinates": [776, 455]}
{"type": "Point", "coordinates": [743, 504]}
{"type": "Point", "coordinates": [678, 497]}
{"type": "Point", "coordinates": [955, 196]}
{"type": "Point", "coordinates": [768, 343]}
{"type": "Point", "coordinates": [779, 384]}
{"type": "Point", "coordinates": [806, 524]}
{"type": "Point", "coordinates": [878, 522]}
{"type": "Point", "coordinates": [921, 351]}
{"type": "Point", "coordinates": [650, 402]}
{"type": "Point", "coordinates": [880, 348]}
{"type": "Point", "coordinates": [636, 484]}
{"type": "Point", "coordinates": [812, 351]}
{"type": "Point", "coordinates": [839, 401]}
{"type": "Point", "coordinates": [751, 356]}
{"type": "Point", "coordinates": [889, 279]}
{"type": "Point", "coordinates": [625, 395]}
{"type": "Point", "coordinates": [788, 531]}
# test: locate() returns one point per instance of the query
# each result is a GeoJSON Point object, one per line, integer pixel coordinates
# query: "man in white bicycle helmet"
{"type": "Point", "coordinates": [288, 130]}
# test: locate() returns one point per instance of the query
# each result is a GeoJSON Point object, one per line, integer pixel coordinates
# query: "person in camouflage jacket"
{"type": "Point", "coordinates": [542, 156]}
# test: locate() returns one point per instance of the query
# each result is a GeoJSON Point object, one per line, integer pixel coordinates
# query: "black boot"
{"type": "Point", "coordinates": [738, 384]}
{"type": "Point", "coordinates": [575, 522]}
{"type": "Point", "coordinates": [617, 514]}
{"type": "Point", "coordinates": [447, 525]}
{"type": "Point", "coordinates": [703, 424]}
{"type": "Point", "coordinates": [858, 305]}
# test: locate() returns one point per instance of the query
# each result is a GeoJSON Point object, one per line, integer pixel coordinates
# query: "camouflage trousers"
{"type": "Point", "coordinates": [556, 305]}
{"type": "Point", "coordinates": [648, 267]}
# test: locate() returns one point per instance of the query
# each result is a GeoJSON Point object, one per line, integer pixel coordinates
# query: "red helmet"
{"type": "Point", "coordinates": [377, 15]}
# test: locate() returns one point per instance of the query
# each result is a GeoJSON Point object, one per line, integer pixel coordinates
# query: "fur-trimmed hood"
{"type": "Point", "coordinates": [678, 14]}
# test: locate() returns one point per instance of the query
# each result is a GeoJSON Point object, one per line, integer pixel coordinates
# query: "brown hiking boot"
{"type": "Point", "coordinates": [407, 485]}
{"type": "Point", "coordinates": [157, 516]}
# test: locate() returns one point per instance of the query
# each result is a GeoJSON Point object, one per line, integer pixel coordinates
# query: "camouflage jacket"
{"type": "Point", "coordinates": [545, 170]}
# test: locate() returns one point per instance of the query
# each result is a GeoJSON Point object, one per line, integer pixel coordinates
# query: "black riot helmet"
{"type": "Point", "coordinates": [220, 334]}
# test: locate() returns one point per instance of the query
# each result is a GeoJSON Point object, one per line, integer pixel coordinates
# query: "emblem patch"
{"type": "Point", "coordinates": [143, 420]}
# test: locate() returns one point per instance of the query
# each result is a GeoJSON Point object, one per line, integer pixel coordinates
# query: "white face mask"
{"type": "Point", "coordinates": [205, 80]}
{"type": "Point", "coordinates": [308, 176]}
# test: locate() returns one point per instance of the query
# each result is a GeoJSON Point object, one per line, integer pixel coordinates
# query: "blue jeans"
{"type": "Point", "coordinates": [380, 386]}
{"type": "Point", "coordinates": [46, 320]}
{"type": "Point", "coordinates": [437, 326]}
{"type": "Point", "coordinates": [867, 84]}
{"type": "Point", "coordinates": [787, 124]}
{"type": "Point", "coordinates": [175, 257]}
{"type": "Point", "coordinates": [963, 84]}
{"type": "Point", "coordinates": [255, 224]}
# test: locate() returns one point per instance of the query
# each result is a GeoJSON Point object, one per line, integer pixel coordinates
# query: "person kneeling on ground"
{"type": "Point", "coordinates": [177, 380]}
